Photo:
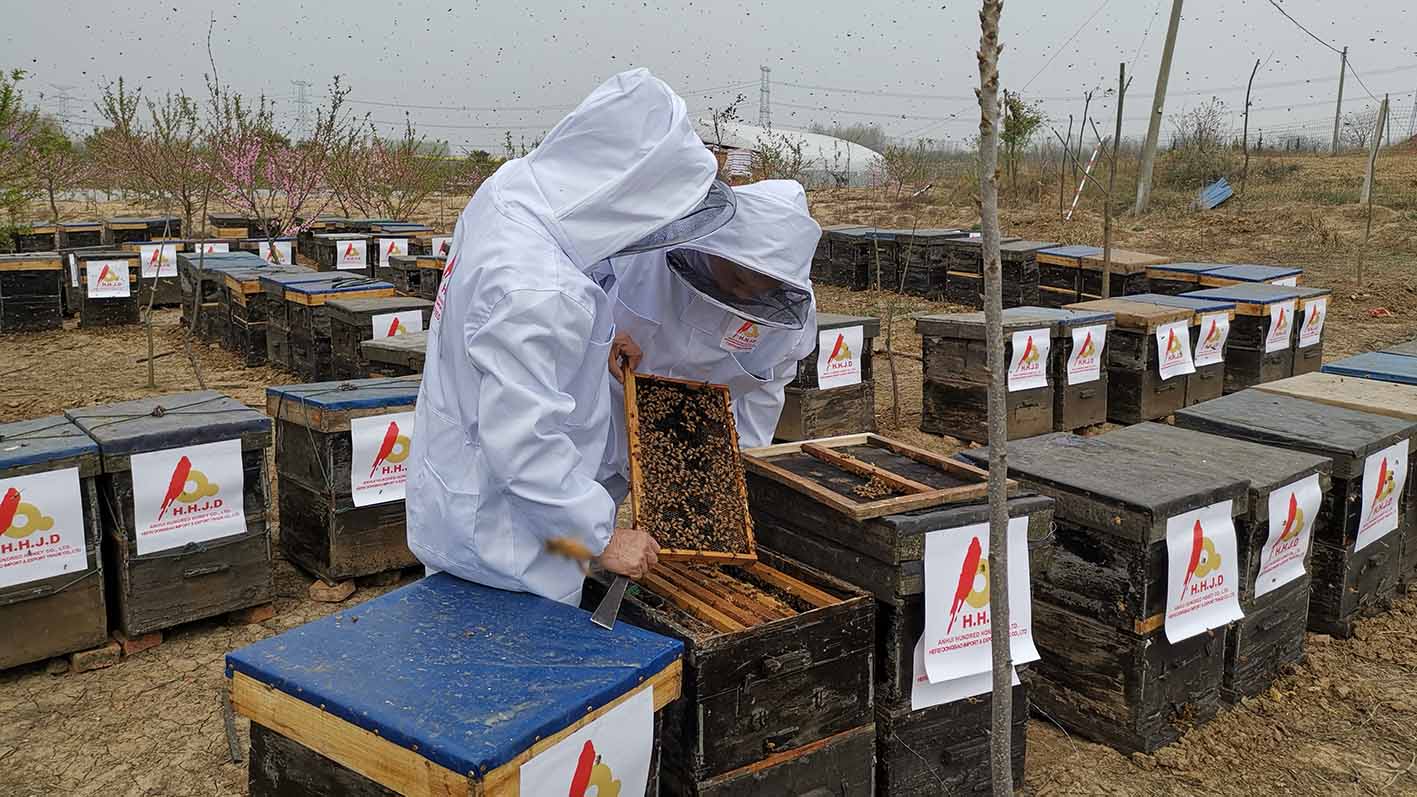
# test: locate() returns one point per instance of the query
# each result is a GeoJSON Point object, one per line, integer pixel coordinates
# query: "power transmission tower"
{"type": "Point", "coordinates": [765, 99]}
{"type": "Point", "coordinates": [1158, 106]}
{"type": "Point", "coordinates": [302, 105]}
{"type": "Point", "coordinates": [64, 98]}
{"type": "Point", "coordinates": [1338, 112]}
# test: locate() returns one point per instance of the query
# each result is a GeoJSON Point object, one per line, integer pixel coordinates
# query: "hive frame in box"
{"type": "Point", "coordinates": [918, 495]}
{"type": "Point", "coordinates": [632, 426]}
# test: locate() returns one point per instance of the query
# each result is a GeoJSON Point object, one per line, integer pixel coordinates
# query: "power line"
{"type": "Point", "coordinates": [866, 113]}
{"type": "Point", "coordinates": [523, 108]}
{"type": "Point", "coordinates": [1312, 35]}
{"type": "Point", "coordinates": [1064, 45]}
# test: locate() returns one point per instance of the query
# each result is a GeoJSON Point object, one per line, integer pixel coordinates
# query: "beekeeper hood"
{"type": "Point", "coordinates": [625, 172]}
{"type": "Point", "coordinates": [769, 244]}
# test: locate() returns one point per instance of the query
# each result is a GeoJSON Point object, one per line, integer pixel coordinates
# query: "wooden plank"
{"type": "Point", "coordinates": [841, 441]}
{"type": "Point", "coordinates": [350, 746]}
{"type": "Point", "coordinates": [731, 605]}
{"type": "Point", "coordinates": [704, 611]}
{"type": "Point", "coordinates": [1365, 395]}
{"type": "Point", "coordinates": [801, 484]}
{"type": "Point", "coordinates": [1135, 315]}
{"type": "Point", "coordinates": [33, 265]}
{"type": "Point", "coordinates": [792, 586]}
{"type": "Point", "coordinates": [317, 299]}
{"type": "Point", "coordinates": [854, 465]}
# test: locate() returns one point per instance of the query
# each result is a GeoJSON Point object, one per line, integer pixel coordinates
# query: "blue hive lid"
{"type": "Point", "coordinates": [336, 282]}
{"type": "Point", "coordinates": [1253, 273]}
{"type": "Point", "coordinates": [1248, 293]}
{"type": "Point", "coordinates": [41, 440]}
{"type": "Point", "coordinates": [1197, 303]}
{"type": "Point", "coordinates": [1187, 268]}
{"type": "Point", "coordinates": [352, 394]}
{"type": "Point", "coordinates": [467, 675]}
{"type": "Point", "coordinates": [186, 419]}
{"type": "Point", "coordinates": [1377, 365]}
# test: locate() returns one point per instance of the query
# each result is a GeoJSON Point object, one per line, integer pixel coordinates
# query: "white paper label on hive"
{"type": "Point", "coordinates": [740, 335]}
{"type": "Point", "coordinates": [1287, 282]}
{"type": "Point", "coordinates": [41, 527]}
{"type": "Point", "coordinates": [353, 255]}
{"type": "Point", "coordinates": [73, 271]}
{"type": "Point", "coordinates": [1085, 363]}
{"type": "Point", "coordinates": [388, 247]}
{"type": "Point", "coordinates": [378, 466]}
{"type": "Point", "coordinates": [107, 279]}
{"type": "Point", "coordinates": [609, 756]}
{"type": "Point", "coordinates": [1315, 313]}
{"type": "Point", "coordinates": [442, 245]}
{"type": "Point", "coordinates": [190, 494]}
{"type": "Point", "coordinates": [1028, 367]}
{"type": "Point", "coordinates": [1281, 326]}
{"type": "Point", "coordinates": [402, 322]}
{"type": "Point", "coordinates": [1384, 475]}
{"type": "Point", "coordinates": [1292, 511]}
{"type": "Point", "coordinates": [957, 625]}
{"type": "Point", "coordinates": [159, 260]}
{"type": "Point", "coordinates": [1202, 574]}
{"type": "Point", "coordinates": [282, 250]}
{"type": "Point", "coordinates": [1173, 350]}
{"type": "Point", "coordinates": [1214, 331]}
{"type": "Point", "coordinates": [839, 357]}
{"type": "Point", "coordinates": [212, 247]}
{"type": "Point", "coordinates": [924, 694]}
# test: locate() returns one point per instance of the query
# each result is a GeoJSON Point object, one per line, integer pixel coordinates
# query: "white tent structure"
{"type": "Point", "coordinates": [827, 160]}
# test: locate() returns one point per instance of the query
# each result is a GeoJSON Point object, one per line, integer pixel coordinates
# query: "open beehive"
{"type": "Point", "coordinates": [686, 475]}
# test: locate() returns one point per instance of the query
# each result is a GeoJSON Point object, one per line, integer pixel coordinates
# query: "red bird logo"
{"type": "Point", "coordinates": [393, 248]}
{"type": "Point", "coordinates": [580, 781]}
{"type": "Point", "coordinates": [349, 251]}
{"type": "Point", "coordinates": [1197, 543]}
{"type": "Point", "coordinates": [104, 274]}
{"type": "Point", "coordinates": [176, 485]}
{"type": "Point", "coordinates": [157, 256]}
{"type": "Point", "coordinates": [394, 328]}
{"type": "Point", "coordinates": [391, 436]}
{"type": "Point", "coordinates": [443, 247]}
{"type": "Point", "coordinates": [8, 506]}
{"type": "Point", "coordinates": [967, 572]}
{"type": "Point", "coordinates": [1029, 355]}
{"type": "Point", "coordinates": [1212, 333]}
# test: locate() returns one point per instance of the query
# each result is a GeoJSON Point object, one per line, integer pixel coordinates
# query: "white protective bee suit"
{"type": "Point", "coordinates": [514, 409]}
{"type": "Point", "coordinates": [685, 333]}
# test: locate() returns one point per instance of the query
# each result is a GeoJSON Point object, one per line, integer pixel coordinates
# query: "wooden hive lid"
{"type": "Point", "coordinates": [1124, 261]}
{"type": "Point", "coordinates": [43, 444]}
{"type": "Point", "coordinates": [103, 253]}
{"type": "Point", "coordinates": [329, 406]}
{"type": "Point", "coordinates": [530, 669]}
{"type": "Point", "coordinates": [432, 261]}
{"type": "Point", "coordinates": [1134, 315]}
{"type": "Point", "coordinates": [357, 311]}
{"type": "Point", "coordinates": [81, 226]}
{"type": "Point", "coordinates": [1346, 436]}
{"type": "Point", "coordinates": [1393, 399]}
{"type": "Point", "coordinates": [219, 261]}
{"type": "Point", "coordinates": [184, 419]}
{"type": "Point", "coordinates": [1266, 468]}
{"type": "Point", "coordinates": [1115, 488]}
{"type": "Point", "coordinates": [31, 261]}
{"type": "Point", "coordinates": [1069, 256]}
{"type": "Point", "coordinates": [274, 283]}
{"type": "Point", "coordinates": [872, 325]}
{"type": "Point", "coordinates": [1376, 365]}
{"type": "Point", "coordinates": [1025, 247]}
{"type": "Point", "coordinates": [403, 262]}
{"type": "Point", "coordinates": [1195, 304]}
{"type": "Point", "coordinates": [406, 350]}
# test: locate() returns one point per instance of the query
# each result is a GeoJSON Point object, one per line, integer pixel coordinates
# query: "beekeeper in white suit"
{"type": "Point", "coordinates": [734, 308]}
{"type": "Point", "coordinates": [514, 411]}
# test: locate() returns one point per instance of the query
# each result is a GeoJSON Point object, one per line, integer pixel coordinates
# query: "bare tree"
{"type": "Point", "coordinates": [376, 177]}
{"type": "Point", "coordinates": [780, 156]}
{"type": "Point", "coordinates": [1201, 128]}
{"type": "Point", "coordinates": [1358, 127]}
{"type": "Point", "coordinates": [58, 166]}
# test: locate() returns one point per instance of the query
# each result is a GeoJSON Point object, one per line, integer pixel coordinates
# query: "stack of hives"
{"type": "Point", "coordinates": [964, 266]}
{"type": "Point", "coordinates": [36, 236]}
{"type": "Point", "coordinates": [401, 355]}
{"type": "Point", "coordinates": [202, 278]}
{"type": "Point", "coordinates": [1277, 332]}
{"type": "Point", "coordinates": [340, 251]}
{"type": "Point", "coordinates": [108, 287]}
{"type": "Point", "coordinates": [354, 321]}
{"type": "Point", "coordinates": [834, 391]}
{"type": "Point", "coordinates": [121, 230]}
{"type": "Point", "coordinates": [31, 292]}
{"type": "Point", "coordinates": [298, 334]}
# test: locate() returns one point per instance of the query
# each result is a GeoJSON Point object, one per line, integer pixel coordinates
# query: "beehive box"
{"type": "Point", "coordinates": [107, 296]}
{"type": "Point", "coordinates": [432, 269]}
{"type": "Point", "coordinates": [401, 355]}
{"type": "Point", "coordinates": [247, 309]}
{"type": "Point", "coordinates": [778, 656]}
{"type": "Point", "coordinates": [848, 403]}
{"type": "Point", "coordinates": [921, 261]}
{"type": "Point", "coordinates": [392, 239]}
{"type": "Point", "coordinates": [31, 292]}
{"type": "Point", "coordinates": [202, 278]}
{"type": "Point", "coordinates": [1060, 274]}
{"type": "Point", "coordinates": [353, 321]}
{"type": "Point", "coordinates": [1379, 398]}
{"type": "Point", "coordinates": [307, 318]}
{"type": "Point", "coordinates": [1136, 390]}
{"type": "Point", "coordinates": [184, 499]}
{"type": "Point", "coordinates": [1310, 317]}
{"type": "Point", "coordinates": [341, 462]}
{"type": "Point", "coordinates": [273, 306]}
{"type": "Point", "coordinates": [157, 275]}
{"type": "Point", "coordinates": [321, 225]}
{"type": "Point", "coordinates": [36, 236]}
{"type": "Point", "coordinates": [235, 226]}
{"type": "Point", "coordinates": [51, 573]}
{"type": "Point", "coordinates": [1347, 582]}
{"type": "Point", "coordinates": [404, 273]}
{"type": "Point", "coordinates": [1100, 591]}
{"type": "Point", "coordinates": [1254, 355]}
{"type": "Point", "coordinates": [284, 249]}
{"type": "Point", "coordinates": [964, 264]}
{"type": "Point", "coordinates": [1173, 279]}
{"type": "Point", "coordinates": [1129, 271]}
{"type": "Point", "coordinates": [821, 258]}
{"type": "Point", "coordinates": [944, 749]}
{"type": "Point", "coordinates": [956, 371]}
{"type": "Point", "coordinates": [1209, 325]}
{"type": "Point", "coordinates": [1283, 276]}
{"type": "Point", "coordinates": [1019, 264]}
{"type": "Point", "coordinates": [1082, 403]}
{"type": "Point", "coordinates": [340, 251]}
{"type": "Point", "coordinates": [855, 255]}
{"type": "Point", "coordinates": [120, 230]}
{"type": "Point", "coordinates": [1271, 635]}
{"type": "Point", "coordinates": [77, 234]}
{"type": "Point", "coordinates": [410, 693]}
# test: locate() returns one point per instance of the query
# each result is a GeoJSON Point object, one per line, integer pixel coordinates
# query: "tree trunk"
{"type": "Point", "coordinates": [1000, 740]}
{"type": "Point", "coordinates": [1245, 136]}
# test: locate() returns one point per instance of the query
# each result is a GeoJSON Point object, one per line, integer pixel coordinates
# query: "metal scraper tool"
{"type": "Point", "coordinates": [609, 608]}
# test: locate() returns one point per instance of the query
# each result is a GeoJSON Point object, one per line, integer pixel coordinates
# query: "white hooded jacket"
{"type": "Point", "coordinates": [684, 335]}
{"type": "Point", "coordinates": [514, 410]}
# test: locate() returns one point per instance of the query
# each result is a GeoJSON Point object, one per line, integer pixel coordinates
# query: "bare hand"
{"type": "Point", "coordinates": [624, 353]}
{"type": "Point", "coordinates": [631, 552]}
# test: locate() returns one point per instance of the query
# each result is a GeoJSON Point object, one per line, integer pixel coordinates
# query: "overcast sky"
{"type": "Point", "coordinates": [531, 61]}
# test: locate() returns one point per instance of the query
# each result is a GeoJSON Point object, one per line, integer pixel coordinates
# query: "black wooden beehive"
{"type": "Point", "coordinates": [1060, 274]}
{"type": "Point", "coordinates": [1108, 670]}
{"type": "Point", "coordinates": [405, 274]}
{"type": "Point", "coordinates": [1208, 382]}
{"type": "Point", "coordinates": [321, 528]}
{"type": "Point", "coordinates": [758, 694]}
{"type": "Point", "coordinates": [1083, 404]}
{"type": "Point", "coordinates": [97, 311]}
{"type": "Point", "coordinates": [922, 261]}
{"type": "Point", "coordinates": [327, 249]}
{"type": "Point", "coordinates": [31, 292]}
{"type": "Point", "coordinates": [1018, 261]}
{"type": "Point", "coordinates": [1271, 635]}
{"type": "Point", "coordinates": [1246, 362]}
{"type": "Point", "coordinates": [1345, 584]}
{"type": "Point", "coordinates": [77, 234]}
{"type": "Point", "coordinates": [158, 590]}
{"type": "Point", "coordinates": [1173, 279]}
{"type": "Point", "coordinates": [956, 371]}
{"type": "Point", "coordinates": [247, 309]}
{"type": "Point", "coordinates": [36, 236]}
{"type": "Point", "coordinates": [944, 749]}
{"type": "Point", "coordinates": [162, 290]}
{"type": "Point", "coordinates": [352, 323]}
{"type": "Point", "coordinates": [809, 411]}
{"type": "Point", "coordinates": [1135, 390]}
{"type": "Point", "coordinates": [1307, 359]}
{"type": "Point", "coordinates": [62, 613]}
{"type": "Point", "coordinates": [308, 319]}
{"type": "Point", "coordinates": [120, 230]}
{"type": "Point", "coordinates": [431, 269]}
{"type": "Point", "coordinates": [1129, 273]}
{"type": "Point", "coordinates": [202, 278]}
{"type": "Point", "coordinates": [401, 355]}
{"type": "Point", "coordinates": [272, 305]}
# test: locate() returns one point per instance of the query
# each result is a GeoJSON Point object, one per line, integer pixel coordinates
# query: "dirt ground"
{"type": "Point", "coordinates": [1343, 722]}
